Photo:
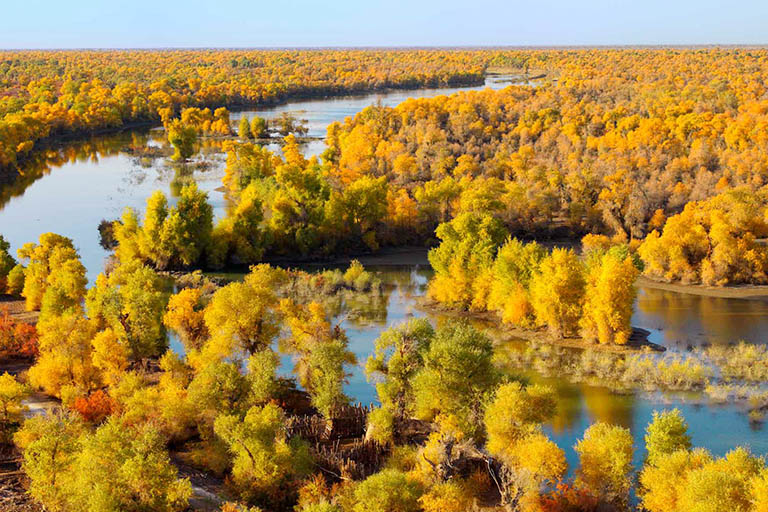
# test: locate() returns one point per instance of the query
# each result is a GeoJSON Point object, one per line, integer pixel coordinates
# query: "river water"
{"type": "Point", "coordinates": [92, 180]}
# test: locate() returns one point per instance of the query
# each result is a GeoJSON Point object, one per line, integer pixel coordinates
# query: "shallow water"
{"type": "Point", "coordinates": [719, 428]}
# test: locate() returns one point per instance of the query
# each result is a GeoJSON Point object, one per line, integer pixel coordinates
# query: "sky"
{"type": "Point", "coordinates": [304, 23]}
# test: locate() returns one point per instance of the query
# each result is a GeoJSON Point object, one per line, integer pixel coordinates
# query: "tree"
{"type": "Point", "coordinates": [242, 318]}
{"type": "Point", "coordinates": [605, 455]}
{"type": "Point", "coordinates": [609, 297]}
{"type": "Point", "coordinates": [12, 393]}
{"type": "Point", "coordinates": [183, 138]}
{"type": "Point", "coordinates": [468, 247]}
{"type": "Point", "coordinates": [557, 292]}
{"type": "Point", "coordinates": [54, 276]}
{"type": "Point", "coordinates": [666, 434]}
{"type": "Point", "coordinates": [131, 302]}
{"type": "Point", "coordinates": [388, 490]}
{"type": "Point", "coordinates": [241, 231]}
{"type": "Point", "coordinates": [17, 339]}
{"type": "Point", "coordinates": [398, 356]}
{"type": "Point", "coordinates": [50, 444]}
{"type": "Point", "coordinates": [323, 354]}
{"type": "Point", "coordinates": [170, 237]}
{"type": "Point", "coordinates": [220, 387]}
{"type": "Point", "coordinates": [7, 263]}
{"type": "Point", "coordinates": [185, 315]}
{"type": "Point", "coordinates": [244, 129]}
{"type": "Point", "coordinates": [456, 378]}
{"type": "Point", "coordinates": [515, 264]}
{"type": "Point", "coordinates": [124, 468]}
{"type": "Point", "coordinates": [528, 459]}
{"type": "Point", "coordinates": [266, 465]}
{"type": "Point", "coordinates": [191, 224]}
{"type": "Point", "coordinates": [110, 356]}
{"type": "Point", "coordinates": [686, 480]}
{"type": "Point", "coordinates": [259, 128]}
{"type": "Point", "coordinates": [357, 210]}
{"type": "Point", "coordinates": [15, 280]}
{"type": "Point", "coordinates": [65, 361]}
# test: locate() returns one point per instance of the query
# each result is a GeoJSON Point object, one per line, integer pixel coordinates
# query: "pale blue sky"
{"type": "Point", "coordinates": [257, 23]}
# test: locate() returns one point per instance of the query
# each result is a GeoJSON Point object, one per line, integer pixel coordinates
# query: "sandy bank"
{"type": "Point", "coordinates": [750, 292]}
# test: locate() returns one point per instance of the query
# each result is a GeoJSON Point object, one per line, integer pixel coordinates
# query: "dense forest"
{"type": "Point", "coordinates": [541, 205]}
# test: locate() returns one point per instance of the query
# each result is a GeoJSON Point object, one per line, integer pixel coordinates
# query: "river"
{"type": "Point", "coordinates": [95, 179]}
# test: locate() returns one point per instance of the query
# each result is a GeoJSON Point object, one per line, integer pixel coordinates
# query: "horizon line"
{"type": "Point", "coordinates": [399, 47]}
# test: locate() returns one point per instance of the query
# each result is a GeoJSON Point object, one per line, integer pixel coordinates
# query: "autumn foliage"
{"type": "Point", "coordinates": [17, 339]}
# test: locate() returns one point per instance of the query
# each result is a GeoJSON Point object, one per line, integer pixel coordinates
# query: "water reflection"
{"type": "Point", "coordinates": [680, 320]}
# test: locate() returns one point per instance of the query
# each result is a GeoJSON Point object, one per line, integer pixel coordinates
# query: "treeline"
{"type": "Point", "coordinates": [622, 139]}
{"type": "Point", "coordinates": [46, 95]}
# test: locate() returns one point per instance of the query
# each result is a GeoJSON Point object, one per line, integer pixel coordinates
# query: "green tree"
{"type": "Point", "coordinates": [265, 461]}
{"type": "Point", "coordinates": [398, 356]}
{"type": "Point", "coordinates": [183, 138]}
{"type": "Point", "coordinates": [259, 127]}
{"type": "Point", "coordinates": [457, 377]}
{"type": "Point", "coordinates": [15, 280]}
{"type": "Point", "coordinates": [666, 434]}
{"type": "Point", "coordinates": [7, 263]}
{"type": "Point", "coordinates": [356, 211]}
{"type": "Point", "coordinates": [244, 129]}
{"type": "Point", "coordinates": [389, 490]}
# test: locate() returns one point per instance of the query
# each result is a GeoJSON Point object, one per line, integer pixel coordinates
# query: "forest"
{"type": "Point", "coordinates": [541, 205]}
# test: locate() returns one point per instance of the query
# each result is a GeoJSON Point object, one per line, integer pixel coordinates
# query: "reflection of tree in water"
{"type": "Point", "coordinates": [44, 160]}
{"type": "Point", "coordinates": [568, 405]}
{"type": "Point", "coordinates": [183, 174]}
{"type": "Point", "coordinates": [687, 319]}
{"type": "Point", "coordinates": [365, 308]}
{"type": "Point", "coordinates": [609, 407]}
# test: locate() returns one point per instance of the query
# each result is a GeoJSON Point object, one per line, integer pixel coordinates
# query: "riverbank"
{"type": "Point", "coordinates": [748, 292]}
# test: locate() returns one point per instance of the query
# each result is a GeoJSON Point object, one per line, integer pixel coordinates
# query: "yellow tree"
{"type": "Point", "coordinates": [609, 297]}
{"type": "Point", "coordinates": [528, 458]}
{"type": "Point", "coordinates": [53, 263]}
{"type": "Point", "coordinates": [186, 316]}
{"type": "Point", "coordinates": [65, 362]}
{"type": "Point", "coordinates": [557, 292]}
{"type": "Point", "coordinates": [605, 456]}
{"type": "Point", "coordinates": [243, 318]}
